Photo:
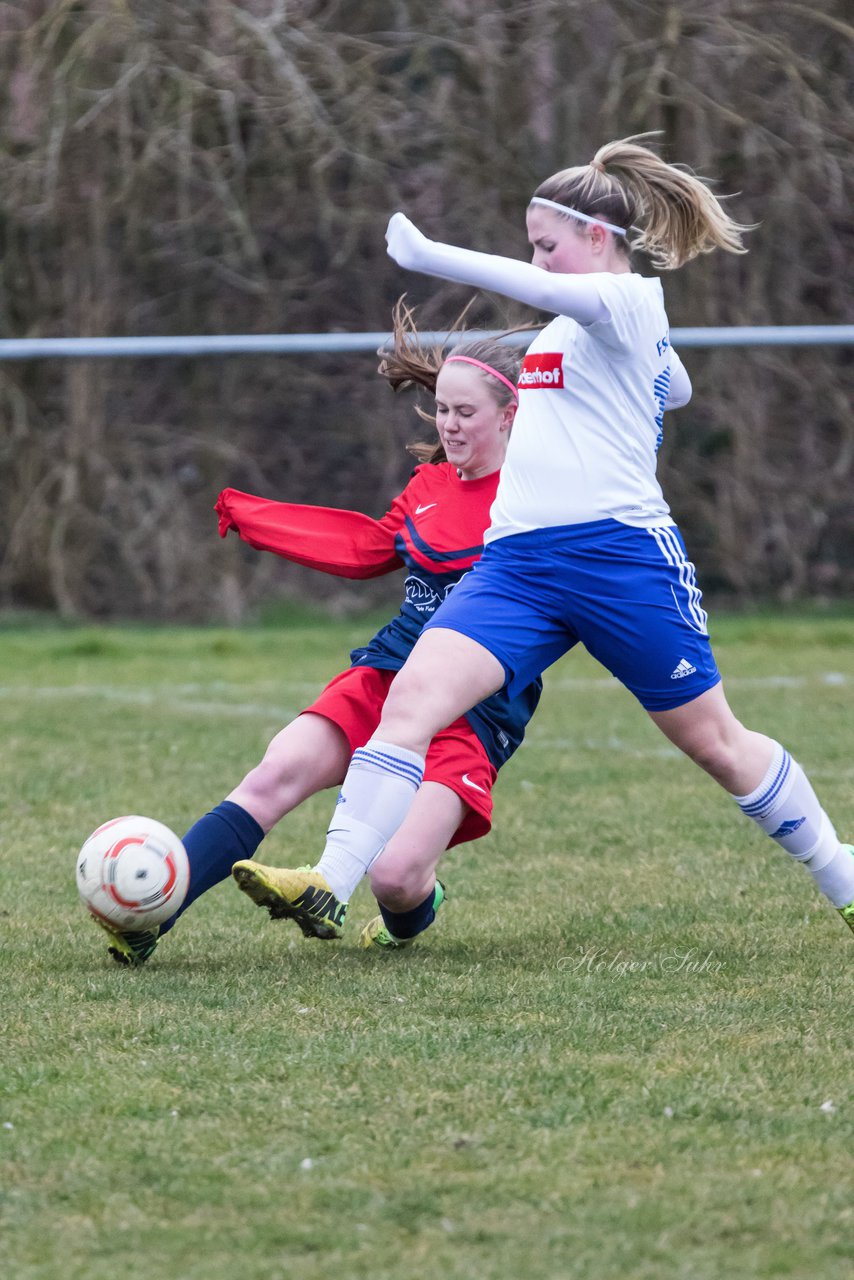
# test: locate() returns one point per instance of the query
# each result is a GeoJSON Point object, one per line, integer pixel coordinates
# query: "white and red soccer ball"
{"type": "Point", "coordinates": [133, 872]}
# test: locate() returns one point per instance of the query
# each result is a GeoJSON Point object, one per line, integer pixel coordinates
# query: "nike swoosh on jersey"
{"type": "Point", "coordinates": [419, 510]}
{"type": "Point", "coordinates": [468, 782]}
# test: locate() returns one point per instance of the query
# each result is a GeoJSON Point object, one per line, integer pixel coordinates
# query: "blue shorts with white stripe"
{"type": "Point", "coordinates": [629, 595]}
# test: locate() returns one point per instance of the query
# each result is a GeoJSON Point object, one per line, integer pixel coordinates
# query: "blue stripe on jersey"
{"type": "Point", "coordinates": [760, 808]}
{"type": "Point", "coordinates": [441, 557]}
{"type": "Point", "coordinates": [661, 390]}
{"type": "Point", "coordinates": [383, 763]}
{"type": "Point", "coordinates": [671, 548]}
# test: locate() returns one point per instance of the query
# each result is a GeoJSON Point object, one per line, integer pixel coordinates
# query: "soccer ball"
{"type": "Point", "coordinates": [133, 873]}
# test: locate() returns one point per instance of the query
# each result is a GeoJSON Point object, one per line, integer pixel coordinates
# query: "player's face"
{"type": "Point", "coordinates": [473, 427]}
{"type": "Point", "coordinates": [559, 245]}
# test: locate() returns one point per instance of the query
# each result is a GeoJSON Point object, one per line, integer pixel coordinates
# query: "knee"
{"type": "Point", "coordinates": [408, 685]}
{"type": "Point", "coordinates": [270, 790]}
{"type": "Point", "coordinates": [717, 752]}
{"type": "Point", "coordinates": [396, 886]}
{"type": "Point", "coordinates": [269, 775]}
{"type": "Point", "coordinates": [406, 704]}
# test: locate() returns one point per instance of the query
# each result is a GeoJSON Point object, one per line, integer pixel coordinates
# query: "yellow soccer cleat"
{"type": "Point", "coordinates": [301, 894]}
{"type": "Point", "coordinates": [130, 948]}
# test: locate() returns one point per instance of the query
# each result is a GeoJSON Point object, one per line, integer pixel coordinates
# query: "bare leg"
{"type": "Point", "coordinates": [769, 787]}
{"type": "Point", "coordinates": [444, 676]}
{"type": "Point", "coordinates": [307, 756]}
{"type": "Point", "coordinates": [708, 732]}
{"type": "Point", "coordinates": [405, 871]}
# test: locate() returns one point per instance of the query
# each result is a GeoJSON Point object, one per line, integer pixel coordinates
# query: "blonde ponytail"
{"type": "Point", "coordinates": [672, 212]}
{"type": "Point", "coordinates": [679, 217]}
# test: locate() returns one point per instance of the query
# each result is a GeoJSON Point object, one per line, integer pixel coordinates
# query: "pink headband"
{"type": "Point", "coordinates": [487, 368]}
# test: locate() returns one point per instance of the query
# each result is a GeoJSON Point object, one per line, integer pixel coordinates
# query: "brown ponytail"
{"type": "Point", "coordinates": [410, 364]}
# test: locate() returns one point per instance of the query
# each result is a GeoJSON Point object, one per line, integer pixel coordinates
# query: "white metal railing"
{"type": "Point", "coordinates": [319, 343]}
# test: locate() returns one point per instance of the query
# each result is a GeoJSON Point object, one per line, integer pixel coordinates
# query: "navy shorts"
{"type": "Point", "coordinates": [630, 596]}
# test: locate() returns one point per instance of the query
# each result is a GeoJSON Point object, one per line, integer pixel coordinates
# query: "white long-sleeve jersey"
{"type": "Point", "coordinates": [593, 390]}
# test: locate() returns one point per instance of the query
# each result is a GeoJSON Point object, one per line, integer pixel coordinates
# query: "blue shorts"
{"type": "Point", "coordinates": [628, 595]}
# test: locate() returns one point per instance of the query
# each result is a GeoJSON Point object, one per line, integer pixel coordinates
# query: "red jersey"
{"type": "Point", "coordinates": [434, 529]}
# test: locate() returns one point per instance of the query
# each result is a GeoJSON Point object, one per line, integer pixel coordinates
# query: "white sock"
{"type": "Point", "coordinates": [835, 877]}
{"type": "Point", "coordinates": [374, 800]}
{"type": "Point", "coordinates": [787, 809]}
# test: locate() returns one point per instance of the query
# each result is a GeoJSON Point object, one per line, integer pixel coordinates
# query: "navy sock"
{"type": "Point", "coordinates": [406, 924]}
{"type": "Point", "coordinates": [222, 837]}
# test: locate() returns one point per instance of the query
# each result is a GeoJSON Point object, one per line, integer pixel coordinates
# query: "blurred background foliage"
{"type": "Point", "coordinates": [227, 166]}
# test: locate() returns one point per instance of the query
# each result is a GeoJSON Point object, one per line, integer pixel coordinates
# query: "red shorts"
{"type": "Point", "coordinates": [456, 758]}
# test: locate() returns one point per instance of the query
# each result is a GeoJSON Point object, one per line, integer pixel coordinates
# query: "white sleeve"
{"type": "Point", "coordinates": [578, 297]}
{"type": "Point", "coordinates": [680, 383]}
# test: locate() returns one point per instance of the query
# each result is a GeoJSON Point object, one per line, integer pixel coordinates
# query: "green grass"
{"type": "Point", "coordinates": [609, 1059]}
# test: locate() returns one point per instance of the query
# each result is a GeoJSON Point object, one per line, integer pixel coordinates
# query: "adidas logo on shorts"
{"type": "Point", "coordinates": [682, 670]}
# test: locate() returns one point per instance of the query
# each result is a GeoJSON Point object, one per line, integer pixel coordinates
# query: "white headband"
{"type": "Point", "coordinates": [574, 213]}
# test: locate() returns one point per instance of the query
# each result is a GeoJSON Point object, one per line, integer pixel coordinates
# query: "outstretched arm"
{"type": "Point", "coordinates": [576, 296]}
{"type": "Point", "coordinates": [344, 543]}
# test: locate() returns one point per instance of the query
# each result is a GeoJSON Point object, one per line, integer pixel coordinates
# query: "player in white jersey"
{"type": "Point", "coordinates": [582, 546]}
{"type": "Point", "coordinates": [593, 401]}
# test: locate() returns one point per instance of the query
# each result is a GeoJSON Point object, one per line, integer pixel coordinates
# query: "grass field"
{"type": "Point", "coordinates": [623, 1053]}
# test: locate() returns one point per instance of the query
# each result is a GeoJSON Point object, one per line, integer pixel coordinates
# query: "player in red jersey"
{"type": "Point", "coordinates": [434, 529]}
